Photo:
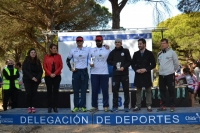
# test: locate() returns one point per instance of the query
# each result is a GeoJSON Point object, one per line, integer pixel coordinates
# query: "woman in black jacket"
{"type": "Point", "coordinates": [32, 73]}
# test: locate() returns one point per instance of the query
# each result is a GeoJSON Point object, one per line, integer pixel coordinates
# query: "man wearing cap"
{"type": "Point", "coordinates": [80, 74]}
{"type": "Point", "coordinates": [142, 63]}
{"type": "Point", "coordinates": [99, 73]}
{"type": "Point", "coordinates": [120, 59]}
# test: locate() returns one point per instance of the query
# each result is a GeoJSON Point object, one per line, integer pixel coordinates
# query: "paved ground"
{"type": "Point", "coordinates": [101, 129]}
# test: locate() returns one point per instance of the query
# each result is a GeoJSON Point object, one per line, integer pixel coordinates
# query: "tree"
{"type": "Point", "coordinates": [183, 34]}
{"type": "Point", "coordinates": [117, 7]}
{"type": "Point", "coordinates": [13, 43]}
{"type": "Point", "coordinates": [188, 6]}
{"type": "Point", "coordinates": [37, 16]}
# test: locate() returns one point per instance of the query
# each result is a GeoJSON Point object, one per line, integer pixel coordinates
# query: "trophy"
{"type": "Point", "coordinates": [92, 60]}
{"type": "Point", "coordinates": [73, 65]}
{"type": "Point", "coordinates": [118, 65]}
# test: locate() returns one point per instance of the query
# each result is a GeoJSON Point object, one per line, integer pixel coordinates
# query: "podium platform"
{"type": "Point", "coordinates": [182, 115]}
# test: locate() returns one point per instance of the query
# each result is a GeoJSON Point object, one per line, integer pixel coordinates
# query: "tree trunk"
{"type": "Point", "coordinates": [115, 16]}
{"type": "Point", "coordinates": [116, 10]}
{"type": "Point", "coordinates": [51, 25]}
{"type": "Point", "coordinates": [17, 55]}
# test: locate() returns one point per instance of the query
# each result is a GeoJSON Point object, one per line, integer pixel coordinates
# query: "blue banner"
{"type": "Point", "coordinates": [146, 119]}
{"type": "Point", "coordinates": [47, 119]}
{"type": "Point", "coordinates": [66, 117]}
{"type": "Point", "coordinates": [106, 37]}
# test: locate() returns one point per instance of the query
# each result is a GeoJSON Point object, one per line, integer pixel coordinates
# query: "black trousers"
{"type": "Point", "coordinates": [165, 82]}
{"type": "Point", "coordinates": [31, 91]}
{"type": "Point", "coordinates": [10, 94]}
{"type": "Point", "coordinates": [52, 90]}
{"type": "Point", "coordinates": [124, 79]}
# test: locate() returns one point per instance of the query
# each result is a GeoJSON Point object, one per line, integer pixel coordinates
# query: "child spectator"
{"type": "Point", "coordinates": [192, 83]}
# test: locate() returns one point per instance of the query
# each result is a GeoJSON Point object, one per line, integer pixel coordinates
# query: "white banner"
{"type": "Point", "coordinates": [67, 41]}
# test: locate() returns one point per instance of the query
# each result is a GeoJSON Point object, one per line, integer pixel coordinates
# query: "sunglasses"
{"type": "Point", "coordinates": [98, 40]}
{"type": "Point", "coordinates": [79, 41]}
{"type": "Point", "coordinates": [117, 42]}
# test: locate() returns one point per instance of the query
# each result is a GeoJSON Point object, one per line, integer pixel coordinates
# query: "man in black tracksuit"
{"type": "Point", "coordinates": [121, 57]}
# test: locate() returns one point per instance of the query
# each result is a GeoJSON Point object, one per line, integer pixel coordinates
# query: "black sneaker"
{"type": "Point", "coordinates": [162, 108]}
{"type": "Point", "coordinates": [126, 109]}
{"type": "Point", "coordinates": [136, 108]}
{"type": "Point", "coordinates": [114, 110]}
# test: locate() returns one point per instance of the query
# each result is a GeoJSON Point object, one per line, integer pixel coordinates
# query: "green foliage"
{"type": "Point", "coordinates": [183, 34]}
{"type": "Point", "coordinates": [23, 22]}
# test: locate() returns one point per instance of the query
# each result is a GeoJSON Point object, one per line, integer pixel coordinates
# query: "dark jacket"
{"type": "Point", "coordinates": [120, 55]}
{"type": "Point", "coordinates": [146, 61]}
{"type": "Point", "coordinates": [31, 69]}
{"type": "Point", "coordinates": [11, 77]}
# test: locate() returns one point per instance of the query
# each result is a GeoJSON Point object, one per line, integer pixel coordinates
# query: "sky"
{"type": "Point", "coordinates": [140, 14]}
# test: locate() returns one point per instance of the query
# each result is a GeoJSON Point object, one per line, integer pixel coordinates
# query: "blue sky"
{"type": "Point", "coordinates": [140, 15]}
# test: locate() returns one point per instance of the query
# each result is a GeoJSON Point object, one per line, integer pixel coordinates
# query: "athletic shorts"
{"type": "Point", "coordinates": [191, 90]}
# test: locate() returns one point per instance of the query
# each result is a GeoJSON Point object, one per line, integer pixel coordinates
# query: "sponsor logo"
{"type": "Point", "coordinates": [194, 118]}
{"type": "Point", "coordinates": [6, 120]}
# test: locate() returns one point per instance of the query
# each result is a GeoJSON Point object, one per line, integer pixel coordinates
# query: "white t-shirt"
{"type": "Point", "coordinates": [197, 73]}
{"type": "Point", "coordinates": [80, 57]}
{"type": "Point", "coordinates": [100, 60]}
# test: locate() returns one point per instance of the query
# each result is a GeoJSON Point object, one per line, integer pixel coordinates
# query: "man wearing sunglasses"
{"type": "Point", "coordinates": [99, 73]}
{"type": "Point", "coordinates": [80, 74]}
{"type": "Point", "coordinates": [120, 59]}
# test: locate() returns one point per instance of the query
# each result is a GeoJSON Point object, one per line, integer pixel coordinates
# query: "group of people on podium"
{"type": "Point", "coordinates": [98, 58]}
{"type": "Point", "coordinates": [119, 58]}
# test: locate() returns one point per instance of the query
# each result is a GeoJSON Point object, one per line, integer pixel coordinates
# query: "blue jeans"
{"type": "Point", "coordinates": [80, 81]}
{"type": "Point", "coordinates": [99, 81]}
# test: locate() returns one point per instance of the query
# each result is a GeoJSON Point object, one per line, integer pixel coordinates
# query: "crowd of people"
{"type": "Point", "coordinates": [100, 59]}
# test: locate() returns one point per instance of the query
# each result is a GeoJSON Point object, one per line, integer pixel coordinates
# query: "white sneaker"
{"type": "Point", "coordinates": [149, 109]}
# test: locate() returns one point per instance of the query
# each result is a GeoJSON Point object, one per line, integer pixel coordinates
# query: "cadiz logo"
{"type": "Point", "coordinates": [193, 118]}
{"type": "Point", "coordinates": [5, 120]}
